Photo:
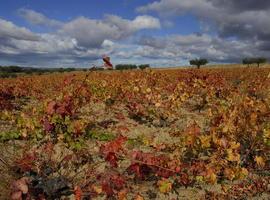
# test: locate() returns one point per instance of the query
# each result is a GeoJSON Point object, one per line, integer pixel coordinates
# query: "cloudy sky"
{"type": "Point", "coordinates": [159, 32]}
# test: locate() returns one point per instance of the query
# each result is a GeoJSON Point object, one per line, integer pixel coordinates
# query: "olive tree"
{"type": "Point", "coordinates": [198, 62]}
{"type": "Point", "coordinates": [257, 60]}
{"type": "Point", "coordinates": [260, 60]}
{"type": "Point", "coordinates": [247, 61]}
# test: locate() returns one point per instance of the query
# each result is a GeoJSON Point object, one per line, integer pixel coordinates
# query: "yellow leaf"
{"type": "Point", "coordinates": [136, 89]}
{"type": "Point", "coordinates": [253, 118]}
{"type": "Point", "coordinates": [235, 145]}
{"type": "Point", "coordinates": [211, 176]}
{"type": "Point", "coordinates": [97, 189]}
{"type": "Point", "coordinates": [266, 136]}
{"type": "Point", "coordinates": [232, 156]}
{"type": "Point", "coordinates": [260, 161]}
{"type": "Point", "coordinates": [199, 178]}
{"type": "Point", "coordinates": [209, 113]}
{"type": "Point", "coordinates": [146, 141]}
{"type": "Point", "coordinates": [205, 141]}
{"type": "Point", "coordinates": [165, 186]}
{"type": "Point", "coordinates": [157, 104]}
{"type": "Point", "coordinates": [225, 188]}
{"type": "Point", "coordinates": [148, 90]}
{"type": "Point", "coordinates": [243, 173]}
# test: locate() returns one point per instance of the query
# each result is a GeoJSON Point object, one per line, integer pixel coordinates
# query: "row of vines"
{"type": "Point", "coordinates": [136, 134]}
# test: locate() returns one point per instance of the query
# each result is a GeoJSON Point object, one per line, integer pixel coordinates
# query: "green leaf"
{"type": "Point", "coordinates": [100, 136]}
{"type": "Point", "coordinates": [12, 135]}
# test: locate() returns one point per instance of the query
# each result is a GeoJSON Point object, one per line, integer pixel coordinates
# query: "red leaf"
{"type": "Point", "coordinates": [110, 149]}
{"type": "Point", "coordinates": [51, 107]}
{"type": "Point", "coordinates": [16, 195]}
{"type": "Point", "coordinates": [26, 163]}
{"type": "Point", "coordinates": [111, 182]}
{"type": "Point", "coordinates": [112, 159]}
{"type": "Point", "coordinates": [113, 146]}
{"type": "Point", "coordinates": [117, 181]}
{"type": "Point", "coordinates": [135, 168]}
{"type": "Point", "coordinates": [120, 116]}
{"type": "Point", "coordinates": [164, 172]}
{"type": "Point", "coordinates": [149, 163]}
{"type": "Point", "coordinates": [122, 129]}
{"type": "Point", "coordinates": [193, 129]}
{"type": "Point", "coordinates": [140, 170]}
{"type": "Point", "coordinates": [107, 189]}
{"type": "Point", "coordinates": [48, 127]}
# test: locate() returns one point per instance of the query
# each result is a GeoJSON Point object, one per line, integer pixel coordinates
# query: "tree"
{"type": "Point", "coordinates": [144, 66]}
{"type": "Point", "coordinates": [257, 60]}
{"type": "Point", "coordinates": [260, 60]}
{"type": "Point", "coordinates": [247, 61]}
{"type": "Point", "coordinates": [198, 62]}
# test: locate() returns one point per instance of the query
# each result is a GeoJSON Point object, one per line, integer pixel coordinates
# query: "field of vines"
{"type": "Point", "coordinates": [136, 134]}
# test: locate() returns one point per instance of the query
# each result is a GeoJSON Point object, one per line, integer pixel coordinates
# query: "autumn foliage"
{"type": "Point", "coordinates": [106, 134]}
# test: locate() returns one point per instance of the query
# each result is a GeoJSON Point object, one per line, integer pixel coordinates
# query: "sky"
{"type": "Point", "coordinates": [77, 33]}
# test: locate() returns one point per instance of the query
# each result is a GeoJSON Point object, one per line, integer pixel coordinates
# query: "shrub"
{"type": "Point", "coordinates": [144, 66]}
{"type": "Point", "coordinates": [7, 75]}
{"type": "Point", "coordinates": [96, 69]}
{"type": "Point", "coordinates": [125, 66]}
{"type": "Point", "coordinates": [260, 60]}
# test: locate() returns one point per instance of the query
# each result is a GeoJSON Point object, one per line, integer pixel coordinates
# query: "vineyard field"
{"type": "Point", "coordinates": [136, 134]}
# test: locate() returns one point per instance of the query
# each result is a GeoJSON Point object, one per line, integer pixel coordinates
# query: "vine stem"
{"type": "Point", "coordinates": [4, 162]}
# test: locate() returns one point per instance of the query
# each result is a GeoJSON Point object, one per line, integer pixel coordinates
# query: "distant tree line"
{"type": "Point", "coordinates": [257, 60]}
{"type": "Point", "coordinates": [245, 61]}
{"type": "Point", "coordinates": [14, 71]}
{"type": "Point", "coordinates": [131, 66]}
{"type": "Point", "coordinates": [96, 68]}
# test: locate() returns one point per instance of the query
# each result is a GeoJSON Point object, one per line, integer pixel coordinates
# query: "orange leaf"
{"type": "Point", "coordinates": [139, 197]}
{"type": "Point", "coordinates": [78, 193]}
{"type": "Point", "coordinates": [122, 195]}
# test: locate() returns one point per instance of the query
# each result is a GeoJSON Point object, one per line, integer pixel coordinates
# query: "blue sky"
{"type": "Point", "coordinates": [159, 32]}
{"type": "Point", "coordinates": [67, 10]}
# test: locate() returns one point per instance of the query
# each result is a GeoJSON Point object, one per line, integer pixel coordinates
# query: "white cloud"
{"type": "Point", "coordinates": [176, 7]}
{"type": "Point", "coordinates": [37, 18]}
{"type": "Point", "coordinates": [48, 44]}
{"type": "Point", "coordinates": [185, 47]}
{"type": "Point", "coordinates": [10, 30]}
{"type": "Point", "coordinates": [77, 42]}
{"type": "Point", "coordinates": [107, 43]}
{"type": "Point", "coordinates": [144, 22]}
{"type": "Point", "coordinates": [238, 18]}
{"type": "Point", "coordinates": [92, 32]}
